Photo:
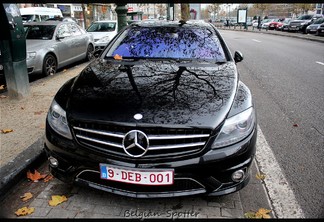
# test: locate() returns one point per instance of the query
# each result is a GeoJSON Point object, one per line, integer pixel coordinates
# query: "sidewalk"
{"type": "Point", "coordinates": [26, 118]}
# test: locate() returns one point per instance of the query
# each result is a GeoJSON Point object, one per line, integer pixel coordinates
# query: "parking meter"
{"type": "Point", "coordinates": [13, 51]}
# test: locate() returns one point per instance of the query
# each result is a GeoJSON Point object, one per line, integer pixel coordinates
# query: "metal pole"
{"type": "Point", "coordinates": [121, 11]}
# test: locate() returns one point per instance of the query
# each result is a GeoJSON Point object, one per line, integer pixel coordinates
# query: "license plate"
{"type": "Point", "coordinates": [137, 176]}
{"type": "Point", "coordinates": [293, 26]}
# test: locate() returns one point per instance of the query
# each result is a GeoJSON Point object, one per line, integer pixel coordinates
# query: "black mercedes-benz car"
{"type": "Point", "coordinates": [160, 113]}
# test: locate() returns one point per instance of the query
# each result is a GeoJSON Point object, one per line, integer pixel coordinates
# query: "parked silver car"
{"type": "Point", "coordinates": [54, 44]}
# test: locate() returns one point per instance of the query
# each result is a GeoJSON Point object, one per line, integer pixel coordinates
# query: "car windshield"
{"type": "Point", "coordinates": [102, 27]}
{"type": "Point", "coordinates": [286, 21]}
{"type": "Point", "coordinates": [168, 43]}
{"type": "Point", "coordinates": [305, 17]}
{"type": "Point", "coordinates": [44, 32]}
{"type": "Point", "coordinates": [319, 21]}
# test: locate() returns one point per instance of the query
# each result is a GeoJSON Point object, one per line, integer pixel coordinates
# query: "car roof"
{"type": "Point", "coordinates": [165, 23]}
{"type": "Point", "coordinates": [50, 22]}
{"type": "Point", "coordinates": [103, 21]}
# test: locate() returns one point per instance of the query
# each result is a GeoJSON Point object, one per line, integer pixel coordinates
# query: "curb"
{"type": "Point", "coordinates": [14, 171]}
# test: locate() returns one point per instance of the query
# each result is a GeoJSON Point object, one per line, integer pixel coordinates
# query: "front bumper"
{"type": "Point", "coordinates": [209, 173]}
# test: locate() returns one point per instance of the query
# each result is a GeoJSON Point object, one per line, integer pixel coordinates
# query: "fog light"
{"type": "Point", "coordinates": [53, 162]}
{"type": "Point", "coordinates": [238, 175]}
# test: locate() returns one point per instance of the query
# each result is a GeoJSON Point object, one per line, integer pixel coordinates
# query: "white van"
{"type": "Point", "coordinates": [36, 14]}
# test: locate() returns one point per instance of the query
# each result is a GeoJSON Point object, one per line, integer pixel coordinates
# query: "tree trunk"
{"type": "Point", "coordinates": [84, 17]}
{"type": "Point", "coordinates": [185, 12]}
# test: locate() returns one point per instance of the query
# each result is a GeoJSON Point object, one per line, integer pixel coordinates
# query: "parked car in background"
{"type": "Point", "coordinates": [266, 22]}
{"type": "Point", "coordinates": [302, 22]}
{"type": "Point", "coordinates": [273, 25]}
{"type": "Point", "coordinates": [103, 32]}
{"type": "Point", "coordinates": [283, 25]}
{"type": "Point", "coordinates": [255, 24]}
{"type": "Point", "coordinates": [161, 113]}
{"type": "Point", "coordinates": [313, 28]}
{"type": "Point", "coordinates": [37, 14]}
{"type": "Point", "coordinates": [54, 44]}
{"type": "Point", "coordinates": [320, 30]}
{"type": "Point", "coordinates": [230, 22]}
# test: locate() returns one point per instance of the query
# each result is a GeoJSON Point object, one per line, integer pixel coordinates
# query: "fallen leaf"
{"type": "Point", "coordinates": [249, 215]}
{"type": "Point", "coordinates": [4, 131]}
{"type": "Point", "coordinates": [22, 108]}
{"type": "Point", "coordinates": [42, 126]}
{"type": "Point", "coordinates": [295, 125]}
{"type": "Point", "coordinates": [64, 70]}
{"type": "Point", "coordinates": [24, 211]}
{"type": "Point", "coordinates": [48, 178]}
{"type": "Point", "coordinates": [3, 96]}
{"type": "Point", "coordinates": [260, 176]}
{"type": "Point", "coordinates": [38, 113]}
{"type": "Point", "coordinates": [26, 196]}
{"type": "Point", "coordinates": [263, 213]}
{"type": "Point", "coordinates": [118, 57]}
{"type": "Point", "coordinates": [56, 200]}
{"type": "Point", "coordinates": [2, 87]}
{"type": "Point", "coordinates": [35, 176]}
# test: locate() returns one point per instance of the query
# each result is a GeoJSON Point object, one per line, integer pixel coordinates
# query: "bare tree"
{"type": "Point", "coordinates": [214, 8]}
{"type": "Point", "coordinates": [304, 8]}
{"type": "Point", "coordinates": [161, 9]}
{"type": "Point", "coordinates": [262, 8]}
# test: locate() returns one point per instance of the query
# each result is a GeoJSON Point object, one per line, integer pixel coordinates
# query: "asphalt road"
{"type": "Point", "coordinates": [286, 77]}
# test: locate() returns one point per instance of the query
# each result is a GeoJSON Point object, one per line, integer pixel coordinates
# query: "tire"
{"type": "Point", "coordinates": [49, 65]}
{"type": "Point", "coordinates": [90, 52]}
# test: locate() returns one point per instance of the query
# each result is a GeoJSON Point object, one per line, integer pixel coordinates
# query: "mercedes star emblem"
{"type": "Point", "coordinates": [135, 143]}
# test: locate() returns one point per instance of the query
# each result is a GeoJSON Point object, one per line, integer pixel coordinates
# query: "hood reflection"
{"type": "Point", "coordinates": [163, 92]}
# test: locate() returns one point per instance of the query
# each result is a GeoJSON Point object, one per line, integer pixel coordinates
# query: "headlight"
{"type": "Point", "coordinates": [31, 55]}
{"type": "Point", "coordinates": [57, 120]}
{"type": "Point", "coordinates": [105, 39]}
{"type": "Point", "coordinates": [235, 128]}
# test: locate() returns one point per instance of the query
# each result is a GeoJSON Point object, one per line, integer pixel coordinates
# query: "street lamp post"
{"type": "Point", "coordinates": [228, 15]}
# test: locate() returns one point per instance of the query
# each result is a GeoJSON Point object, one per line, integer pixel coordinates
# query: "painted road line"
{"type": "Point", "coordinates": [256, 40]}
{"type": "Point", "coordinates": [321, 63]}
{"type": "Point", "coordinates": [281, 195]}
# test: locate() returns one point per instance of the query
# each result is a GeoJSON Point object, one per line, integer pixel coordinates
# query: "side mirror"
{"type": "Point", "coordinates": [238, 56]}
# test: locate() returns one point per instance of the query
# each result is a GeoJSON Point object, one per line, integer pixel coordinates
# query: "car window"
{"type": "Point", "coordinates": [74, 29]}
{"type": "Point", "coordinates": [102, 27]}
{"type": "Point", "coordinates": [169, 43]}
{"type": "Point", "coordinates": [27, 18]}
{"type": "Point", "coordinates": [64, 31]}
{"type": "Point", "coordinates": [44, 32]}
{"type": "Point", "coordinates": [305, 17]}
{"type": "Point", "coordinates": [319, 21]}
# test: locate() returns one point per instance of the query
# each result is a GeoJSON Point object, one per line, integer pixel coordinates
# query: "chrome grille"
{"type": "Point", "coordinates": [164, 142]}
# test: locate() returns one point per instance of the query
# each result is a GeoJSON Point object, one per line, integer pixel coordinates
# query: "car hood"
{"type": "Point", "coordinates": [314, 25]}
{"type": "Point", "coordinates": [35, 45]}
{"type": "Point", "coordinates": [162, 92]}
{"type": "Point", "coordinates": [99, 35]}
{"type": "Point", "coordinates": [301, 21]}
